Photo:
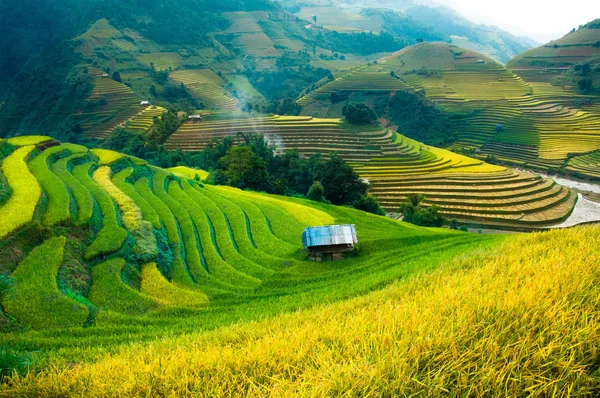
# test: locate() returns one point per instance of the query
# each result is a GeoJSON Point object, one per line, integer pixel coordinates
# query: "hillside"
{"type": "Point", "coordinates": [579, 45]}
{"type": "Point", "coordinates": [427, 332]}
{"type": "Point", "coordinates": [107, 253]}
{"type": "Point", "coordinates": [464, 188]}
{"type": "Point", "coordinates": [497, 114]}
{"type": "Point", "coordinates": [421, 19]}
{"type": "Point", "coordinates": [571, 60]}
{"type": "Point", "coordinates": [132, 241]}
{"type": "Point", "coordinates": [246, 55]}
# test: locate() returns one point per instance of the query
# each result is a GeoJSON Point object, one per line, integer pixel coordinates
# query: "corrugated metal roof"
{"type": "Point", "coordinates": [329, 235]}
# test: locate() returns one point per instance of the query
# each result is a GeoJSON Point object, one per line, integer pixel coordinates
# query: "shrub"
{"type": "Point", "coordinates": [369, 204]}
{"type": "Point", "coordinates": [13, 361]}
{"type": "Point", "coordinates": [415, 214]}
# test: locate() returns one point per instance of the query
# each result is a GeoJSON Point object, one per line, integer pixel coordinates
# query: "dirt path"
{"type": "Point", "coordinates": [585, 211]}
{"type": "Point", "coordinates": [578, 185]}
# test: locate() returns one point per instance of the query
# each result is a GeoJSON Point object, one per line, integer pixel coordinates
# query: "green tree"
{"type": "Point", "coordinates": [341, 183]}
{"type": "Point", "coordinates": [414, 213]}
{"type": "Point", "coordinates": [369, 204]}
{"type": "Point", "coordinates": [163, 128]}
{"type": "Point", "coordinates": [116, 76]}
{"type": "Point", "coordinates": [586, 85]}
{"type": "Point", "coordinates": [244, 169]}
{"type": "Point", "coordinates": [316, 192]}
{"type": "Point", "coordinates": [359, 113]}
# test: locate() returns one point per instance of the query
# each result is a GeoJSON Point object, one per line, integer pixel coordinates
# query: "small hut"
{"type": "Point", "coordinates": [195, 118]}
{"type": "Point", "coordinates": [328, 240]}
{"type": "Point", "coordinates": [145, 103]}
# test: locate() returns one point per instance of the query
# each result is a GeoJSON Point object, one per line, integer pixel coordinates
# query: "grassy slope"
{"type": "Point", "coordinates": [572, 48]}
{"type": "Point", "coordinates": [494, 322]}
{"type": "Point", "coordinates": [215, 241]}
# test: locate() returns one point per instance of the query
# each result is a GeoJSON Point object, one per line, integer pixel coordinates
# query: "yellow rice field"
{"type": "Point", "coordinates": [517, 320]}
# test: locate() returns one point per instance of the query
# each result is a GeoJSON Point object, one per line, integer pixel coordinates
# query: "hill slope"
{"type": "Point", "coordinates": [581, 45]}
{"type": "Point", "coordinates": [406, 18]}
{"type": "Point", "coordinates": [135, 243]}
{"type": "Point", "coordinates": [572, 60]}
{"type": "Point", "coordinates": [464, 188]}
{"type": "Point", "coordinates": [498, 114]}
{"type": "Point", "coordinates": [539, 316]}
{"type": "Point", "coordinates": [260, 53]}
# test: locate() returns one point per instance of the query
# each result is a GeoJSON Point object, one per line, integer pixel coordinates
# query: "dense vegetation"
{"type": "Point", "coordinates": [413, 212]}
{"type": "Point", "coordinates": [418, 118]}
{"type": "Point", "coordinates": [359, 113]}
{"type": "Point", "coordinates": [254, 165]}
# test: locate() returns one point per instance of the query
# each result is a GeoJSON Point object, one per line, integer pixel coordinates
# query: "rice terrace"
{"type": "Point", "coordinates": [281, 198]}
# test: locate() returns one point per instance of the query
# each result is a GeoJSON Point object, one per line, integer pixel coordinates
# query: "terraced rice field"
{"type": "Point", "coordinates": [542, 125]}
{"type": "Point", "coordinates": [145, 119]}
{"type": "Point", "coordinates": [588, 164]}
{"type": "Point", "coordinates": [554, 57]}
{"type": "Point", "coordinates": [116, 104]}
{"type": "Point", "coordinates": [465, 188]}
{"type": "Point", "coordinates": [161, 60]}
{"type": "Point", "coordinates": [207, 86]}
{"type": "Point", "coordinates": [150, 244]}
{"type": "Point", "coordinates": [541, 129]}
{"type": "Point", "coordinates": [364, 78]}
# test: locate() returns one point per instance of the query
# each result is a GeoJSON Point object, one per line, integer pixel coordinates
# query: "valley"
{"type": "Point", "coordinates": [320, 198]}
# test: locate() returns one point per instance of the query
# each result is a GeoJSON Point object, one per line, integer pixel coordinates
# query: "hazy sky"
{"type": "Point", "coordinates": [539, 19]}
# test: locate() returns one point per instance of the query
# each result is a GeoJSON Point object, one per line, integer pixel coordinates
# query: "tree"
{"type": "Point", "coordinates": [163, 127]}
{"type": "Point", "coordinates": [341, 183]}
{"type": "Point", "coordinates": [280, 186]}
{"type": "Point", "coordinates": [582, 69]}
{"type": "Point", "coordinates": [454, 224]}
{"type": "Point", "coordinates": [244, 169]}
{"type": "Point", "coordinates": [422, 120]}
{"type": "Point", "coordinates": [316, 192]}
{"type": "Point", "coordinates": [369, 204]}
{"type": "Point", "coordinates": [585, 85]}
{"type": "Point", "coordinates": [116, 76]}
{"type": "Point", "coordinates": [287, 106]}
{"type": "Point", "coordinates": [414, 213]}
{"type": "Point", "coordinates": [359, 113]}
